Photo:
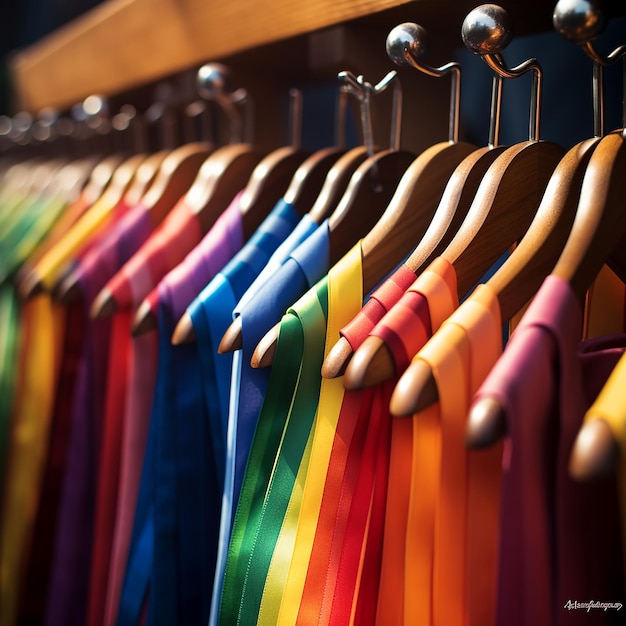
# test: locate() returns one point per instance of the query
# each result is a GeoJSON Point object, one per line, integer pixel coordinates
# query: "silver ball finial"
{"type": "Point", "coordinates": [213, 80]}
{"type": "Point", "coordinates": [406, 37]}
{"type": "Point", "coordinates": [578, 20]}
{"type": "Point", "coordinates": [487, 29]}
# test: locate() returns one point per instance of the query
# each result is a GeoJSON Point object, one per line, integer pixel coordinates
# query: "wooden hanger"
{"type": "Point", "coordinates": [599, 225]}
{"type": "Point", "coordinates": [522, 274]}
{"type": "Point", "coordinates": [373, 362]}
{"type": "Point", "coordinates": [603, 227]}
{"type": "Point", "coordinates": [99, 178]}
{"type": "Point", "coordinates": [335, 183]}
{"type": "Point", "coordinates": [115, 190]}
{"type": "Point", "coordinates": [594, 238]}
{"type": "Point", "coordinates": [67, 289]}
{"type": "Point", "coordinates": [364, 201]}
{"type": "Point", "coordinates": [367, 196]}
{"type": "Point", "coordinates": [176, 175]}
{"type": "Point", "coordinates": [505, 203]}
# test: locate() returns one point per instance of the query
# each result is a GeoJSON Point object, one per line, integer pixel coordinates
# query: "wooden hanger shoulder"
{"type": "Point", "coordinates": [222, 175]}
{"type": "Point", "coordinates": [410, 210]}
{"type": "Point", "coordinates": [336, 182]}
{"type": "Point", "coordinates": [368, 194]}
{"type": "Point", "coordinates": [174, 178]}
{"type": "Point", "coordinates": [503, 208]}
{"type": "Point", "coordinates": [309, 178]}
{"type": "Point", "coordinates": [373, 363]}
{"type": "Point", "coordinates": [600, 221]}
{"type": "Point", "coordinates": [532, 260]}
{"type": "Point", "coordinates": [146, 174]}
{"type": "Point", "coordinates": [267, 185]}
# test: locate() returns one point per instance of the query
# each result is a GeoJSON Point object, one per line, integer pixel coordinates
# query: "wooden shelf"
{"type": "Point", "coordinates": [125, 43]}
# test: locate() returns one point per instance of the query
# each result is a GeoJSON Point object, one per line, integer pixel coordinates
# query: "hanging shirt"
{"type": "Point", "coordinates": [539, 383]}
{"type": "Point", "coordinates": [305, 227]}
{"type": "Point", "coordinates": [185, 491]}
{"type": "Point", "coordinates": [297, 363]}
{"type": "Point", "coordinates": [460, 355]}
{"type": "Point", "coordinates": [76, 441]}
{"type": "Point", "coordinates": [179, 233]}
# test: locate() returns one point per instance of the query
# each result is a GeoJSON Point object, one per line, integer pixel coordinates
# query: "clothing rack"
{"type": "Point", "coordinates": [121, 46]}
{"type": "Point", "coordinates": [148, 480]}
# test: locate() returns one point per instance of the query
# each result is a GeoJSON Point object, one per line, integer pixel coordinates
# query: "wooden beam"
{"type": "Point", "coordinates": [124, 43]}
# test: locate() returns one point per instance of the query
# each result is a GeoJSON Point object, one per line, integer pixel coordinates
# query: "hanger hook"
{"type": "Point", "coordinates": [406, 44]}
{"type": "Point", "coordinates": [486, 31]}
{"type": "Point", "coordinates": [341, 116]}
{"type": "Point", "coordinates": [213, 83]}
{"type": "Point", "coordinates": [296, 105]}
{"type": "Point", "coordinates": [363, 90]}
{"type": "Point", "coordinates": [581, 21]}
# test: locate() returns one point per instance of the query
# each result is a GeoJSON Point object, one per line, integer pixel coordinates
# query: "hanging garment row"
{"type": "Point", "coordinates": [358, 386]}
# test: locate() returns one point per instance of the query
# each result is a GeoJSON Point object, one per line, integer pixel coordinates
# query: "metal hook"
{"type": "Point", "coordinates": [341, 114]}
{"type": "Point", "coordinates": [213, 83]}
{"type": "Point", "coordinates": [406, 43]}
{"type": "Point", "coordinates": [487, 31]}
{"type": "Point", "coordinates": [295, 118]}
{"type": "Point", "coordinates": [581, 21]}
{"type": "Point", "coordinates": [363, 90]}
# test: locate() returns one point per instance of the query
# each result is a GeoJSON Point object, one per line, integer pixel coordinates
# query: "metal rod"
{"type": "Point", "coordinates": [295, 118]}
{"type": "Point", "coordinates": [496, 108]}
{"type": "Point", "coordinates": [598, 99]}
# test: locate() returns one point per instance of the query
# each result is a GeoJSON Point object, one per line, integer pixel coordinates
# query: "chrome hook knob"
{"type": "Point", "coordinates": [213, 83]}
{"type": "Point", "coordinates": [578, 20]}
{"type": "Point", "coordinates": [487, 29]}
{"type": "Point", "coordinates": [406, 44]}
{"type": "Point", "coordinates": [581, 21]}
